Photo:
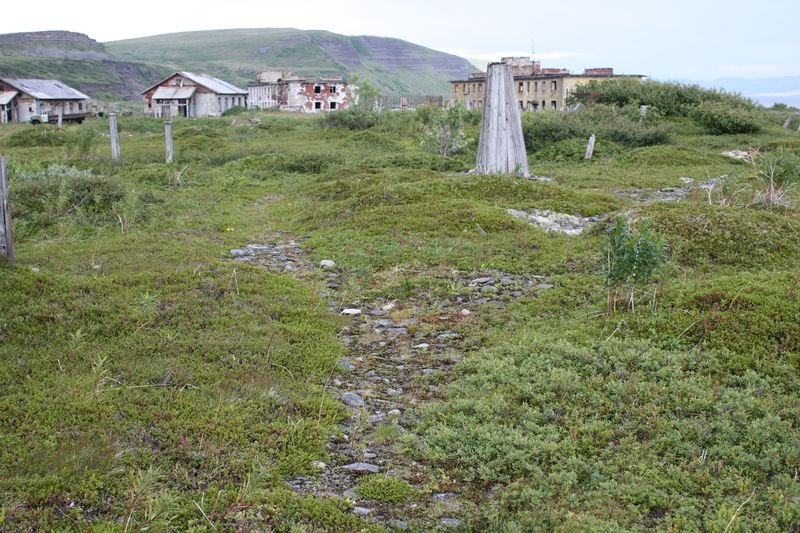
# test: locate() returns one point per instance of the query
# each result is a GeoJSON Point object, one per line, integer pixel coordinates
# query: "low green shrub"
{"type": "Point", "coordinates": [670, 99]}
{"type": "Point", "coordinates": [443, 130]}
{"type": "Point", "coordinates": [384, 488]}
{"type": "Point", "coordinates": [42, 202]}
{"type": "Point", "coordinates": [234, 111]}
{"type": "Point", "coordinates": [607, 123]}
{"type": "Point", "coordinates": [37, 136]}
{"type": "Point", "coordinates": [351, 119]}
{"type": "Point", "coordinates": [720, 118]}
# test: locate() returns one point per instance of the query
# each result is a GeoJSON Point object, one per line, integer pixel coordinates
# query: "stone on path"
{"type": "Point", "coordinates": [352, 399]}
{"type": "Point", "coordinates": [327, 264]}
{"type": "Point", "coordinates": [351, 312]}
{"type": "Point", "coordinates": [451, 522]}
{"type": "Point", "coordinates": [362, 468]}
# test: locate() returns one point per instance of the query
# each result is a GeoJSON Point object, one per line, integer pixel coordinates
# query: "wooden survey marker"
{"type": "Point", "coordinates": [114, 134]}
{"type": "Point", "coordinates": [169, 147]}
{"type": "Point", "coordinates": [6, 240]}
{"type": "Point", "coordinates": [501, 149]}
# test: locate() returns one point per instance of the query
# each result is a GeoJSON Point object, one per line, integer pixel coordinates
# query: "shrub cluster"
{"type": "Point", "coordinates": [40, 203]}
{"type": "Point", "coordinates": [620, 125]}
{"type": "Point", "coordinates": [671, 99]}
{"type": "Point", "coordinates": [720, 118]}
{"type": "Point", "coordinates": [351, 119]}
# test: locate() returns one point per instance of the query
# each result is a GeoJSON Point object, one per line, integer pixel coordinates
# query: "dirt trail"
{"type": "Point", "coordinates": [400, 356]}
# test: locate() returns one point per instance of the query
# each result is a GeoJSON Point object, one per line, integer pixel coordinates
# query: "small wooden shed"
{"type": "Point", "coordinates": [186, 94]}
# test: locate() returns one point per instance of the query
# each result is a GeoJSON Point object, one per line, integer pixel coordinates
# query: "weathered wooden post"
{"type": "Point", "coordinates": [6, 239]}
{"type": "Point", "coordinates": [590, 147]}
{"type": "Point", "coordinates": [112, 125]}
{"type": "Point", "coordinates": [61, 116]}
{"type": "Point", "coordinates": [501, 148]}
{"type": "Point", "coordinates": [168, 139]}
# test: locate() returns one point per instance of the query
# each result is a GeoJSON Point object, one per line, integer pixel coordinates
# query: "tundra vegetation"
{"type": "Point", "coordinates": [148, 381]}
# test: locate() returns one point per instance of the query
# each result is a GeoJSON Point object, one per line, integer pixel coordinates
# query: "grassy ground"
{"type": "Point", "coordinates": [147, 381]}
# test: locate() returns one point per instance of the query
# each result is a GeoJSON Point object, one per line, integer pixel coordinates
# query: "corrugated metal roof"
{"type": "Point", "coordinates": [173, 92]}
{"type": "Point", "coordinates": [7, 96]}
{"type": "Point", "coordinates": [46, 89]}
{"type": "Point", "coordinates": [216, 85]}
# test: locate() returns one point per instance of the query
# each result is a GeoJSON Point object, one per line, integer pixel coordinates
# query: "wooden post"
{"type": "Point", "coordinates": [168, 139]}
{"type": "Point", "coordinates": [788, 121]}
{"type": "Point", "coordinates": [112, 124]}
{"type": "Point", "coordinates": [501, 148]}
{"type": "Point", "coordinates": [60, 116]}
{"type": "Point", "coordinates": [590, 147]}
{"type": "Point", "coordinates": [6, 239]}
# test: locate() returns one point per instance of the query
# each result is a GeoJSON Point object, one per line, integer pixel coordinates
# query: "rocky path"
{"type": "Point", "coordinates": [400, 355]}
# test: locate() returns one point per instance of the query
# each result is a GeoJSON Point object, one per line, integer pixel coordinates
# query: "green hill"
{"type": "Point", "coordinates": [122, 69]}
{"type": "Point", "coordinates": [77, 60]}
{"type": "Point", "coordinates": [397, 66]}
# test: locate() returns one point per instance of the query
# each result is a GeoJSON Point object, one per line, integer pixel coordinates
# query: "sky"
{"type": "Point", "coordinates": [675, 40]}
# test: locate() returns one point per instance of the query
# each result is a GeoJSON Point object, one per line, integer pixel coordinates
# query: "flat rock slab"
{"type": "Point", "coordinates": [740, 155]}
{"type": "Point", "coordinates": [555, 222]}
{"type": "Point", "coordinates": [363, 468]}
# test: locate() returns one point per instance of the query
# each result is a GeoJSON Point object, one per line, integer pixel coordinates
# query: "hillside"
{"type": "Point", "coordinates": [397, 66]}
{"type": "Point", "coordinates": [76, 59]}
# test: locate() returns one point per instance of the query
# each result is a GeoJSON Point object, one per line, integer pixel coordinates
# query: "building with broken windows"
{"type": "Point", "coordinates": [536, 88]}
{"type": "Point", "coordinates": [22, 100]}
{"type": "Point", "coordinates": [186, 94]}
{"type": "Point", "coordinates": [276, 89]}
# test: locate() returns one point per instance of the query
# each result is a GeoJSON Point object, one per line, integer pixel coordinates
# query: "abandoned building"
{"type": "Point", "coordinates": [537, 88]}
{"type": "Point", "coordinates": [276, 89]}
{"type": "Point", "coordinates": [25, 100]}
{"type": "Point", "coordinates": [185, 94]}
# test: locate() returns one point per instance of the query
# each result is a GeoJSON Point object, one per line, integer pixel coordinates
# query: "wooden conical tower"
{"type": "Point", "coordinates": [501, 149]}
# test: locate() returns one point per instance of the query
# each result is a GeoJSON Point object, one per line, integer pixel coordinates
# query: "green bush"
{"type": "Point", "coordinates": [721, 118]}
{"type": "Point", "coordinates": [443, 131]}
{"type": "Point", "coordinates": [36, 136]}
{"type": "Point", "coordinates": [607, 123]}
{"type": "Point", "coordinates": [351, 119]}
{"type": "Point", "coordinates": [232, 112]}
{"type": "Point", "coordinates": [671, 99]}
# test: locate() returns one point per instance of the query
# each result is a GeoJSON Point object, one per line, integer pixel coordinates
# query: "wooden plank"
{"type": "Point", "coordinates": [114, 132]}
{"type": "Point", "coordinates": [168, 140]}
{"type": "Point", "coordinates": [6, 238]}
{"type": "Point", "coordinates": [501, 148]}
{"type": "Point", "coordinates": [590, 147]}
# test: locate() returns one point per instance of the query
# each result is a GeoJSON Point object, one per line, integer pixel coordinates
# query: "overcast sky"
{"type": "Point", "coordinates": [679, 39]}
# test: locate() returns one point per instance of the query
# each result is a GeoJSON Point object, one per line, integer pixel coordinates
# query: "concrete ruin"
{"type": "Point", "coordinates": [275, 89]}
